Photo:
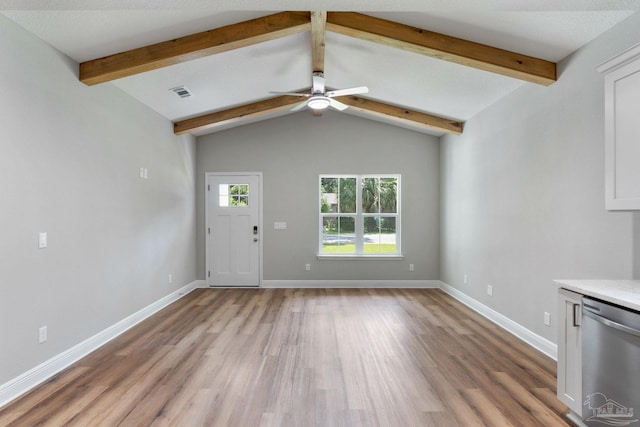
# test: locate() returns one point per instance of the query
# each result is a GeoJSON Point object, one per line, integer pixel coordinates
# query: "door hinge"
{"type": "Point", "coordinates": [209, 273]}
{"type": "Point", "coordinates": [208, 187]}
{"type": "Point", "coordinates": [209, 230]}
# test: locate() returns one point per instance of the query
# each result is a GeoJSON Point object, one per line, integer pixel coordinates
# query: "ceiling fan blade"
{"type": "Point", "coordinates": [351, 91]}
{"type": "Point", "coordinates": [291, 94]}
{"type": "Point", "coordinates": [299, 106]}
{"type": "Point", "coordinates": [318, 83]}
{"type": "Point", "coordinates": [338, 105]}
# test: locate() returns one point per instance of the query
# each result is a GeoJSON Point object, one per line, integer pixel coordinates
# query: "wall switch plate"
{"type": "Point", "coordinates": [465, 279]}
{"type": "Point", "coordinates": [170, 278]}
{"type": "Point", "coordinates": [279, 225]}
{"type": "Point", "coordinates": [490, 290]}
{"type": "Point", "coordinates": [412, 267]}
{"type": "Point", "coordinates": [42, 334]}
{"type": "Point", "coordinates": [547, 319]}
{"type": "Point", "coordinates": [42, 240]}
{"type": "Point", "coordinates": [307, 267]}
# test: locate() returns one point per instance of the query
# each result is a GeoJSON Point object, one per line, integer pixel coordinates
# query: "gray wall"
{"type": "Point", "coordinates": [520, 195]}
{"type": "Point", "coordinates": [69, 165]}
{"type": "Point", "coordinates": [291, 152]}
{"type": "Point", "coordinates": [523, 192]}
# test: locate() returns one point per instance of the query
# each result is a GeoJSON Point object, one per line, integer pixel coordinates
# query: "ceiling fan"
{"type": "Point", "coordinates": [319, 99]}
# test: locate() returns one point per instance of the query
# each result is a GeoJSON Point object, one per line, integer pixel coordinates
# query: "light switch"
{"type": "Point", "coordinates": [42, 240]}
{"type": "Point", "coordinates": [279, 225]}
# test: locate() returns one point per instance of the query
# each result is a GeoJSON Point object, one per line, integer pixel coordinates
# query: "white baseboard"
{"type": "Point", "coordinates": [30, 379]}
{"type": "Point", "coordinates": [534, 340]}
{"type": "Point", "coordinates": [309, 284]}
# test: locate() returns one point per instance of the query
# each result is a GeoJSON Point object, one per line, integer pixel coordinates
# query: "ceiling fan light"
{"type": "Point", "coordinates": [318, 102]}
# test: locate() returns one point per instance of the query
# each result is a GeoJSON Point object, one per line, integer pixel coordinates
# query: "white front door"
{"type": "Point", "coordinates": [233, 229]}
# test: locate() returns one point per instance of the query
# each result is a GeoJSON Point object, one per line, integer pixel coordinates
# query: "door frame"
{"type": "Point", "coordinates": [207, 195]}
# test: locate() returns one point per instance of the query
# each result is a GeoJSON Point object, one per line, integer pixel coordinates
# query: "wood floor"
{"type": "Point", "coordinates": [313, 357]}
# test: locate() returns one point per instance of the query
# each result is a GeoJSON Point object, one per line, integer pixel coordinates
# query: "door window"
{"type": "Point", "coordinates": [233, 195]}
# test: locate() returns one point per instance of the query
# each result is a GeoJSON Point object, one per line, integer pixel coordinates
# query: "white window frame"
{"type": "Point", "coordinates": [359, 219]}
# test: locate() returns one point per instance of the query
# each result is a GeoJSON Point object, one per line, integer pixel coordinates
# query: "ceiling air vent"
{"type": "Point", "coordinates": [181, 91]}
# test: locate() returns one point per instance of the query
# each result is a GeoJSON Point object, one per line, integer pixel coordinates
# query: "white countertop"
{"type": "Point", "coordinates": [622, 292]}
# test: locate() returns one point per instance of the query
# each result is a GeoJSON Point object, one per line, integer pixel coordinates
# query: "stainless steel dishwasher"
{"type": "Point", "coordinates": [610, 364]}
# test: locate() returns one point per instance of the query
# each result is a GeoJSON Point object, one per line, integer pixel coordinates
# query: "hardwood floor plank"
{"type": "Point", "coordinates": [40, 394]}
{"type": "Point", "coordinates": [542, 413]}
{"type": "Point", "coordinates": [490, 414]}
{"type": "Point", "coordinates": [303, 357]}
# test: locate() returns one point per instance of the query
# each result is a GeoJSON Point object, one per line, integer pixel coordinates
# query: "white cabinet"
{"type": "Point", "coordinates": [622, 130]}
{"type": "Point", "coordinates": [570, 350]}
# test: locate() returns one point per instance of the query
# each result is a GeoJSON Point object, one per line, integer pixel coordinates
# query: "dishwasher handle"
{"type": "Point", "coordinates": [576, 315]}
{"type": "Point", "coordinates": [611, 323]}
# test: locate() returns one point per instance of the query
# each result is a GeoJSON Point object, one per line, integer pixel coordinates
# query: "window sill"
{"type": "Point", "coordinates": [353, 257]}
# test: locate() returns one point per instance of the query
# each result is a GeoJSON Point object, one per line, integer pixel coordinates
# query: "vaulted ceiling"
{"type": "Point", "coordinates": [429, 65]}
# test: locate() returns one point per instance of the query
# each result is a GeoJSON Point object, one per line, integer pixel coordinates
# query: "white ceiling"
{"type": "Point", "coordinates": [547, 29]}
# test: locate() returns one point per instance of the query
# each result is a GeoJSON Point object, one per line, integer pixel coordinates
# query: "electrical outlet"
{"type": "Point", "coordinates": [42, 334]}
{"type": "Point", "coordinates": [307, 267]}
{"type": "Point", "coordinates": [490, 290]}
{"type": "Point", "coordinates": [547, 319]}
{"type": "Point", "coordinates": [170, 279]}
{"type": "Point", "coordinates": [411, 267]}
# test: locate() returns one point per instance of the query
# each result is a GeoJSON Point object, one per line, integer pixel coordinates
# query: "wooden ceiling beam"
{"type": "Point", "coordinates": [279, 103]}
{"type": "Point", "coordinates": [401, 114]}
{"type": "Point", "coordinates": [236, 114]}
{"type": "Point", "coordinates": [318, 24]}
{"type": "Point", "coordinates": [194, 46]}
{"type": "Point", "coordinates": [441, 46]}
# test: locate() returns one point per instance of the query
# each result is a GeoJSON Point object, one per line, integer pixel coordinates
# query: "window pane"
{"type": "Point", "coordinates": [389, 195]}
{"type": "Point", "coordinates": [233, 195]}
{"type": "Point", "coordinates": [239, 201]}
{"type": "Point", "coordinates": [338, 195]}
{"type": "Point", "coordinates": [328, 195]}
{"type": "Point", "coordinates": [347, 195]}
{"type": "Point", "coordinates": [379, 195]}
{"type": "Point", "coordinates": [223, 195]}
{"type": "Point", "coordinates": [338, 235]}
{"type": "Point", "coordinates": [380, 234]}
{"type": "Point", "coordinates": [370, 195]}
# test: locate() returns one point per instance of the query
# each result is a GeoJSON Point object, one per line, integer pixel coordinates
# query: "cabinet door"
{"type": "Point", "coordinates": [622, 131]}
{"type": "Point", "coordinates": [570, 350]}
